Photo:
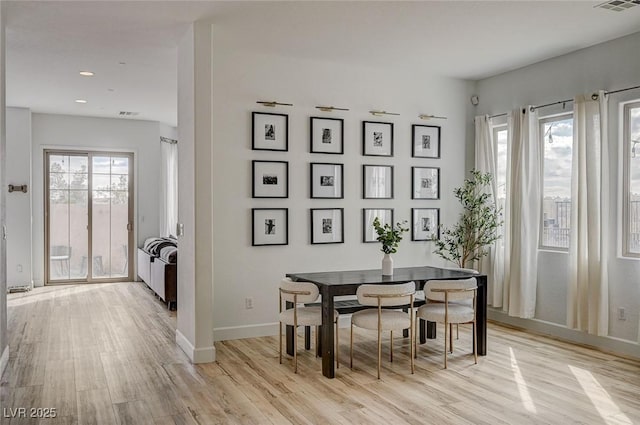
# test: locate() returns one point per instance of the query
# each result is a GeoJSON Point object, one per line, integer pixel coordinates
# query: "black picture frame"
{"type": "Point", "coordinates": [324, 229]}
{"type": "Point", "coordinates": [267, 227]}
{"type": "Point", "coordinates": [377, 138]}
{"type": "Point", "coordinates": [269, 179]}
{"type": "Point", "coordinates": [423, 185]}
{"type": "Point", "coordinates": [326, 180]}
{"type": "Point", "coordinates": [425, 222]}
{"type": "Point", "coordinates": [269, 132]}
{"type": "Point", "coordinates": [371, 184]}
{"type": "Point", "coordinates": [368, 232]}
{"type": "Point", "coordinates": [425, 141]}
{"type": "Point", "coordinates": [326, 135]}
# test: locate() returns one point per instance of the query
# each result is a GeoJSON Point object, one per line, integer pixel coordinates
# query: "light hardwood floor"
{"type": "Point", "coordinates": [105, 354]}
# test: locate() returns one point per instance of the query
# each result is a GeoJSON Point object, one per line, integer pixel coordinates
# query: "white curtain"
{"type": "Point", "coordinates": [522, 214]}
{"type": "Point", "coordinates": [588, 298]}
{"type": "Point", "coordinates": [486, 161]}
{"type": "Point", "coordinates": [169, 188]}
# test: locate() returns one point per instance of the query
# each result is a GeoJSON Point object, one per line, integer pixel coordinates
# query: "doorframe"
{"type": "Point", "coordinates": [132, 235]}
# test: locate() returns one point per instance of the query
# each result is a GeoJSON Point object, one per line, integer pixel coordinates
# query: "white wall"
{"type": "Point", "coordinates": [608, 66]}
{"type": "Point", "coordinates": [240, 78]}
{"type": "Point", "coordinates": [18, 172]}
{"type": "Point", "coordinates": [73, 132]}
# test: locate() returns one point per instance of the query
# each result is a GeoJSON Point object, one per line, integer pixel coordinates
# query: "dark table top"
{"type": "Point", "coordinates": [400, 275]}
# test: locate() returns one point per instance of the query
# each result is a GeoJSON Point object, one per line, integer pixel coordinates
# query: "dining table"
{"type": "Point", "coordinates": [346, 282]}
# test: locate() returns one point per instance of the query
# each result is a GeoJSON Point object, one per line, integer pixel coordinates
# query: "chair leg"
{"type": "Point", "coordinates": [446, 327]}
{"type": "Point", "coordinates": [280, 345]}
{"type": "Point", "coordinates": [295, 349]}
{"type": "Point", "coordinates": [411, 330]}
{"type": "Point", "coordinates": [415, 342]}
{"type": "Point", "coordinates": [379, 348]}
{"type": "Point", "coordinates": [475, 344]}
{"type": "Point", "coordinates": [337, 349]}
{"type": "Point", "coordinates": [351, 348]}
{"type": "Point", "coordinates": [391, 346]}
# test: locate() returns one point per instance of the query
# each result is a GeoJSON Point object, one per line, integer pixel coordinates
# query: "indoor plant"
{"type": "Point", "coordinates": [478, 225]}
{"type": "Point", "coordinates": [389, 236]}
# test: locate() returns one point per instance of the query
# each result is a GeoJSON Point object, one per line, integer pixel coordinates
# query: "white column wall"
{"type": "Point", "coordinates": [240, 78]}
{"type": "Point", "coordinates": [18, 172]}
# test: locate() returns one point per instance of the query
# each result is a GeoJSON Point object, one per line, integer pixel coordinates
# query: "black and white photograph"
{"type": "Point", "coordinates": [269, 132]}
{"type": "Point", "coordinates": [327, 225]}
{"type": "Point", "coordinates": [425, 224]}
{"type": "Point", "coordinates": [385, 215]}
{"type": "Point", "coordinates": [377, 138]}
{"type": "Point", "coordinates": [426, 141]}
{"type": "Point", "coordinates": [425, 183]}
{"type": "Point", "coordinates": [377, 181]}
{"type": "Point", "coordinates": [270, 226]}
{"type": "Point", "coordinates": [270, 179]}
{"type": "Point", "coordinates": [327, 135]}
{"type": "Point", "coordinates": [326, 180]}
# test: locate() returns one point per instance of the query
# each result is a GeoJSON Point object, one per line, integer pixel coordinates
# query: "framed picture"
{"type": "Point", "coordinates": [426, 183]}
{"type": "Point", "coordinates": [326, 180]}
{"type": "Point", "coordinates": [425, 224]}
{"type": "Point", "coordinates": [377, 181]}
{"type": "Point", "coordinates": [368, 215]}
{"type": "Point", "coordinates": [269, 132]}
{"type": "Point", "coordinates": [426, 141]}
{"type": "Point", "coordinates": [327, 225]}
{"type": "Point", "coordinates": [327, 135]}
{"type": "Point", "coordinates": [270, 179]}
{"type": "Point", "coordinates": [270, 226]}
{"type": "Point", "coordinates": [377, 138]}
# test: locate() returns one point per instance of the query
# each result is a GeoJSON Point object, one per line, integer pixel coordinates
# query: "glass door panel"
{"type": "Point", "coordinates": [110, 216]}
{"type": "Point", "coordinates": [67, 216]}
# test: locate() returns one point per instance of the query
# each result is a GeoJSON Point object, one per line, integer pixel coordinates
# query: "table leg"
{"type": "Point", "coordinates": [481, 315]}
{"type": "Point", "coordinates": [307, 337]}
{"type": "Point", "coordinates": [327, 334]}
{"type": "Point", "coordinates": [289, 333]}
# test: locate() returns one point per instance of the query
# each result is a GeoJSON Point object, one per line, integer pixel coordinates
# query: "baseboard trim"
{"type": "Point", "coordinates": [247, 331]}
{"type": "Point", "coordinates": [196, 355]}
{"type": "Point", "coordinates": [607, 344]}
{"type": "Point", "coordinates": [4, 360]}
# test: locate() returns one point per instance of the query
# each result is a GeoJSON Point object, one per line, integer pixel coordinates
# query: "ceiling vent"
{"type": "Point", "coordinates": [125, 114]}
{"type": "Point", "coordinates": [619, 5]}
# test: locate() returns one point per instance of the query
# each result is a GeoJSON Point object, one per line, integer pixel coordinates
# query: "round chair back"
{"type": "Point", "coordinates": [302, 292]}
{"type": "Point", "coordinates": [367, 294]}
{"type": "Point", "coordinates": [449, 284]}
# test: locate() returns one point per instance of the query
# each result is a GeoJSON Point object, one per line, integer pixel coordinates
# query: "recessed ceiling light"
{"type": "Point", "coordinates": [81, 101]}
{"type": "Point", "coordinates": [87, 73]}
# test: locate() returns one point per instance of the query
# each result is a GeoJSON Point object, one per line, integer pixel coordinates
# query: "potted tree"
{"type": "Point", "coordinates": [389, 236]}
{"type": "Point", "coordinates": [477, 227]}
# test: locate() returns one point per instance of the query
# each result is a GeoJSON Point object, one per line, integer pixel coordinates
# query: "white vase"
{"type": "Point", "coordinates": [387, 265]}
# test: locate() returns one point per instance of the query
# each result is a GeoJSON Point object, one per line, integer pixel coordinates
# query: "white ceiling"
{"type": "Point", "coordinates": [49, 42]}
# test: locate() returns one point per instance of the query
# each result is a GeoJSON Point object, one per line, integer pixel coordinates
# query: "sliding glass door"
{"type": "Point", "coordinates": [89, 216]}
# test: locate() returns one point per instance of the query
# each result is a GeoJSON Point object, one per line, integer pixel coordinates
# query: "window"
{"type": "Point", "coordinates": [631, 170]}
{"type": "Point", "coordinates": [556, 136]}
{"type": "Point", "coordinates": [500, 139]}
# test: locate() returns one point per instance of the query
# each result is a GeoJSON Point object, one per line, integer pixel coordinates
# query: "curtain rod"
{"type": "Point", "coordinates": [593, 96]}
{"type": "Point", "coordinates": [167, 140]}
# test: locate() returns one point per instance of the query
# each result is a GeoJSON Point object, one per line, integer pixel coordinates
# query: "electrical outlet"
{"type": "Point", "coordinates": [248, 303]}
{"type": "Point", "coordinates": [621, 314]}
{"type": "Point", "coordinates": [19, 268]}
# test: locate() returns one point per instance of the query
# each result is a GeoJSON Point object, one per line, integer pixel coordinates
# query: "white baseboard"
{"type": "Point", "coordinates": [4, 360]}
{"type": "Point", "coordinates": [196, 355]}
{"type": "Point", "coordinates": [247, 331]}
{"type": "Point", "coordinates": [608, 344]}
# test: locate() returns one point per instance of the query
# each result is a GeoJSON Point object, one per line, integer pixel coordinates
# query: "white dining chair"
{"type": "Point", "coordinates": [445, 305]}
{"type": "Point", "coordinates": [299, 315]}
{"type": "Point", "coordinates": [395, 295]}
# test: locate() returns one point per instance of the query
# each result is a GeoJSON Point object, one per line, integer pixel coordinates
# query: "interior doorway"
{"type": "Point", "coordinates": [88, 216]}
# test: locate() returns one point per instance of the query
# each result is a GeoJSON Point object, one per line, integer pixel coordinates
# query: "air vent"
{"type": "Point", "coordinates": [127, 114]}
{"type": "Point", "coordinates": [618, 5]}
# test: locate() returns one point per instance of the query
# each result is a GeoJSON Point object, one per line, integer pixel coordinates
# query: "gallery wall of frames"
{"type": "Point", "coordinates": [270, 179]}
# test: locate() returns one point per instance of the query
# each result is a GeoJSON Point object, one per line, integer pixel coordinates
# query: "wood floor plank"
{"type": "Point", "coordinates": [106, 354]}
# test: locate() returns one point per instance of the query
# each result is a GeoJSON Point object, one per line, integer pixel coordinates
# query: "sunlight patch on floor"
{"type": "Point", "coordinates": [608, 410]}
{"type": "Point", "coordinates": [527, 401]}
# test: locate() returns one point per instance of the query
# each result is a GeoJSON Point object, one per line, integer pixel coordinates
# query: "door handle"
{"type": "Point", "coordinates": [129, 227]}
